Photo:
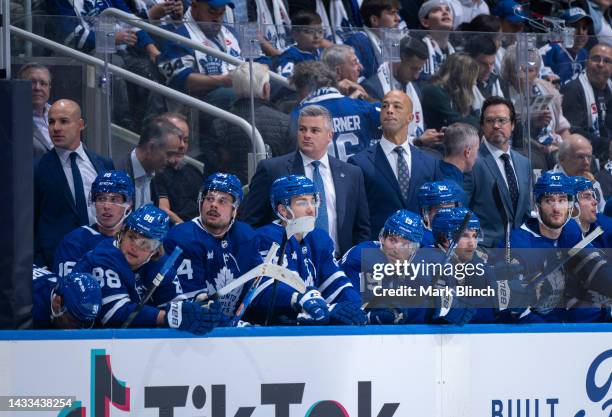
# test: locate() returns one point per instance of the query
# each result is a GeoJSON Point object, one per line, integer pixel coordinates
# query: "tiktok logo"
{"type": "Point", "coordinates": [595, 392]}
{"type": "Point", "coordinates": [106, 390]}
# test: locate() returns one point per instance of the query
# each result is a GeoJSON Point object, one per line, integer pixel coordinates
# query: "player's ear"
{"type": "Point", "coordinates": [57, 302]}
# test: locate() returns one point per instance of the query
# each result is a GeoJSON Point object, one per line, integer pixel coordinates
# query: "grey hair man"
{"type": "Point", "coordinates": [40, 76]}
{"type": "Point", "coordinates": [461, 143]}
{"type": "Point", "coordinates": [343, 60]}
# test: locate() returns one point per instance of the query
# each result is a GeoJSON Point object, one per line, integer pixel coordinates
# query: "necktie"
{"type": "Point", "coordinates": [511, 178]}
{"type": "Point", "coordinates": [403, 173]}
{"type": "Point", "coordinates": [321, 222]}
{"type": "Point", "coordinates": [79, 193]}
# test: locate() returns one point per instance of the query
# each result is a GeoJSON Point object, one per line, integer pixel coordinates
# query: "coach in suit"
{"type": "Point", "coordinates": [501, 167]}
{"type": "Point", "coordinates": [62, 181]}
{"type": "Point", "coordinates": [159, 143]}
{"type": "Point", "coordinates": [343, 210]}
{"type": "Point", "coordinates": [393, 170]}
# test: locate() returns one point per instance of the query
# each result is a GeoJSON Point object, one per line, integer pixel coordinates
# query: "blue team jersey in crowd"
{"type": "Point", "coordinates": [292, 56]}
{"type": "Point", "coordinates": [209, 263]}
{"type": "Point", "coordinates": [74, 245]}
{"type": "Point", "coordinates": [313, 260]}
{"type": "Point", "coordinates": [43, 283]}
{"type": "Point", "coordinates": [559, 60]}
{"type": "Point", "coordinates": [122, 288]}
{"type": "Point", "coordinates": [355, 122]}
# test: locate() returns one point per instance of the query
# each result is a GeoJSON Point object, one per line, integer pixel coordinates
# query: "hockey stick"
{"type": "Point", "coordinates": [246, 301]}
{"type": "Point", "coordinates": [281, 257]}
{"type": "Point", "coordinates": [156, 281]}
{"type": "Point", "coordinates": [447, 300]}
{"type": "Point", "coordinates": [573, 251]}
{"type": "Point", "coordinates": [497, 198]}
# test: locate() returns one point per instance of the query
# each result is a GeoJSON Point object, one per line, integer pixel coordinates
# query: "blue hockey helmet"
{"type": "Point", "coordinates": [437, 193]}
{"type": "Point", "coordinates": [284, 188]}
{"type": "Point", "coordinates": [553, 183]}
{"type": "Point", "coordinates": [226, 183]}
{"type": "Point", "coordinates": [580, 184]}
{"type": "Point", "coordinates": [405, 224]}
{"type": "Point", "coordinates": [150, 222]}
{"type": "Point", "coordinates": [81, 295]}
{"type": "Point", "coordinates": [113, 182]}
{"type": "Point", "coordinates": [447, 221]}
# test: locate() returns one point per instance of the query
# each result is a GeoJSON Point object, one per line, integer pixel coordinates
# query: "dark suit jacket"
{"type": "Point", "coordinates": [126, 165]}
{"type": "Point", "coordinates": [382, 188]}
{"type": "Point", "coordinates": [479, 185]}
{"type": "Point", "coordinates": [55, 211]}
{"type": "Point", "coordinates": [351, 207]}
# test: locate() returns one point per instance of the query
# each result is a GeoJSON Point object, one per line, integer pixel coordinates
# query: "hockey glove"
{"type": "Point", "coordinates": [515, 293]}
{"type": "Point", "coordinates": [192, 317]}
{"type": "Point", "coordinates": [387, 315]}
{"type": "Point", "coordinates": [311, 306]}
{"type": "Point", "coordinates": [460, 313]}
{"type": "Point", "coordinates": [347, 313]}
{"type": "Point", "coordinates": [506, 271]}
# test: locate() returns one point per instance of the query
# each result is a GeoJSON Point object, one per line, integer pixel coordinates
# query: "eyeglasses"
{"type": "Point", "coordinates": [495, 120]}
{"type": "Point", "coordinates": [587, 158]}
{"type": "Point", "coordinates": [599, 59]}
{"type": "Point", "coordinates": [312, 31]}
{"type": "Point", "coordinates": [40, 83]}
{"type": "Point", "coordinates": [143, 243]}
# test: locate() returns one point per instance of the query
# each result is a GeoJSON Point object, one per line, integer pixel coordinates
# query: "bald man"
{"type": "Point", "coordinates": [393, 169]}
{"type": "Point", "coordinates": [62, 181]}
{"type": "Point", "coordinates": [587, 100]}
{"type": "Point", "coordinates": [575, 157]}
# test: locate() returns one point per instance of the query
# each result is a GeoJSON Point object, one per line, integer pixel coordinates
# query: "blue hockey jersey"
{"type": "Point", "coordinates": [122, 288]}
{"type": "Point", "coordinates": [74, 245]}
{"type": "Point", "coordinates": [356, 123]}
{"type": "Point", "coordinates": [208, 263]}
{"type": "Point", "coordinates": [313, 260]}
{"type": "Point", "coordinates": [605, 240]}
{"type": "Point", "coordinates": [559, 60]}
{"type": "Point", "coordinates": [43, 283]}
{"type": "Point", "coordinates": [292, 56]}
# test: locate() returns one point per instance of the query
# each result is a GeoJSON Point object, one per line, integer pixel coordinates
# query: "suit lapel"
{"type": "Point", "coordinates": [295, 165]}
{"type": "Point", "coordinates": [340, 185]}
{"type": "Point", "coordinates": [55, 160]}
{"type": "Point", "coordinates": [382, 165]}
{"type": "Point", "coordinates": [489, 161]}
{"type": "Point", "coordinates": [96, 162]}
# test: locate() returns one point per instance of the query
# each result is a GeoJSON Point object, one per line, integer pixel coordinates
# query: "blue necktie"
{"type": "Point", "coordinates": [321, 222]}
{"type": "Point", "coordinates": [79, 193]}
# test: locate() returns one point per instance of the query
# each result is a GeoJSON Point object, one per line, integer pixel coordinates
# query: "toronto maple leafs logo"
{"type": "Point", "coordinates": [595, 391]}
{"type": "Point", "coordinates": [223, 278]}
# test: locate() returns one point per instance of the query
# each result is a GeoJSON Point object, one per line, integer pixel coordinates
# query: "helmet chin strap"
{"type": "Point", "coordinates": [552, 229]}
{"type": "Point", "coordinates": [223, 233]}
{"type": "Point", "coordinates": [117, 244]}
{"type": "Point", "coordinates": [117, 225]}
{"type": "Point", "coordinates": [302, 225]}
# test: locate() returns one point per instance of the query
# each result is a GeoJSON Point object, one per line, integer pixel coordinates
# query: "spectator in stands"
{"type": "Point", "coordinates": [498, 166]}
{"type": "Point", "coordinates": [483, 23]}
{"type": "Point", "coordinates": [160, 10]}
{"type": "Point", "coordinates": [308, 35]}
{"type": "Point", "coordinates": [604, 176]}
{"type": "Point", "coordinates": [343, 201]}
{"type": "Point", "coordinates": [568, 62]}
{"type": "Point", "coordinates": [178, 185]}
{"type": "Point", "coordinates": [512, 18]}
{"type": "Point", "coordinates": [136, 52]}
{"type": "Point", "coordinates": [601, 13]}
{"type": "Point", "coordinates": [159, 142]}
{"type": "Point", "coordinates": [195, 72]}
{"type": "Point", "coordinates": [343, 60]}
{"type": "Point", "coordinates": [461, 143]}
{"type": "Point", "coordinates": [233, 145]}
{"type": "Point", "coordinates": [62, 181]}
{"type": "Point", "coordinates": [437, 16]}
{"type": "Point", "coordinates": [274, 18]}
{"type": "Point", "coordinates": [587, 100]}
{"type": "Point", "coordinates": [548, 127]}
{"type": "Point", "coordinates": [393, 170]}
{"type": "Point", "coordinates": [41, 90]}
{"type": "Point", "coordinates": [574, 159]}
{"type": "Point", "coordinates": [449, 98]}
{"type": "Point", "coordinates": [464, 11]}
{"type": "Point", "coordinates": [355, 122]}
{"type": "Point", "coordinates": [403, 77]}
{"type": "Point", "coordinates": [483, 50]}
{"type": "Point", "coordinates": [376, 15]}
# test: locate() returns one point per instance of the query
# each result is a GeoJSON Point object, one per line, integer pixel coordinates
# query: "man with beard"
{"type": "Point", "coordinates": [498, 166]}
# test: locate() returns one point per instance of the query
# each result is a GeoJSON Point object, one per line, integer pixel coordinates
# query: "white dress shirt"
{"type": "Point", "coordinates": [330, 193]}
{"type": "Point", "coordinates": [142, 182]}
{"type": "Point", "coordinates": [388, 148]}
{"type": "Point", "coordinates": [41, 122]}
{"type": "Point", "coordinates": [497, 153]}
{"type": "Point", "coordinates": [88, 175]}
